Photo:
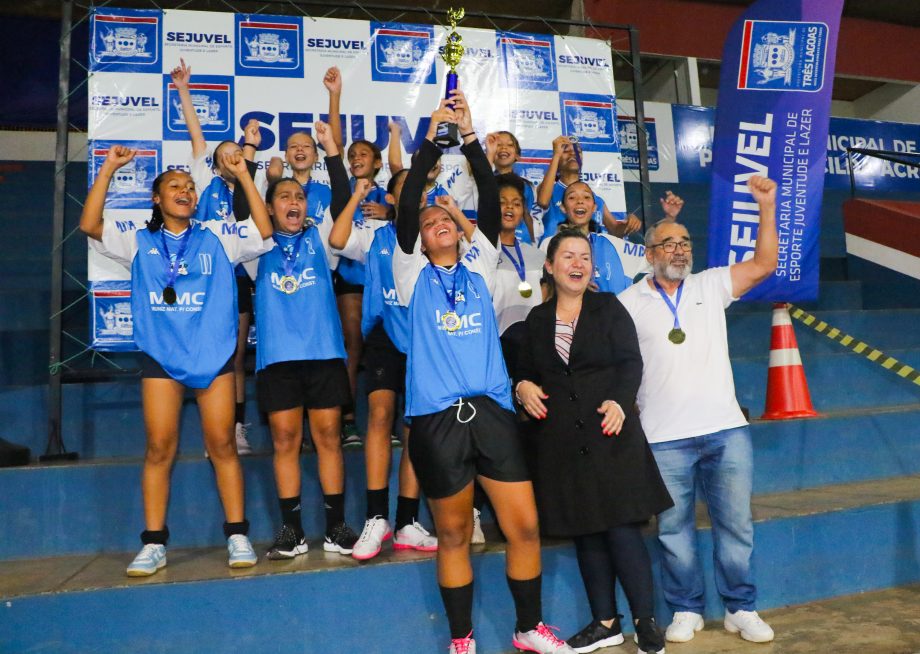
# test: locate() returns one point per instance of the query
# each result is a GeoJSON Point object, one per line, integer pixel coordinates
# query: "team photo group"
{"type": "Point", "coordinates": [577, 391]}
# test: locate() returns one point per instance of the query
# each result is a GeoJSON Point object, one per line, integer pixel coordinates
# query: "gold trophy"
{"type": "Point", "coordinates": [448, 134]}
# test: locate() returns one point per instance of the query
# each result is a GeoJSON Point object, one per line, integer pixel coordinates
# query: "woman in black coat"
{"type": "Point", "coordinates": [594, 475]}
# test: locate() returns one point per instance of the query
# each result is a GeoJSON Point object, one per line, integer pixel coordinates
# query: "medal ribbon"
{"type": "Point", "coordinates": [671, 305]}
{"type": "Point", "coordinates": [288, 260]}
{"type": "Point", "coordinates": [519, 263]}
{"type": "Point", "coordinates": [452, 296]}
{"type": "Point", "coordinates": [172, 265]}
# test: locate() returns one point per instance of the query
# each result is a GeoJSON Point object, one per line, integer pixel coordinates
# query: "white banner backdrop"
{"type": "Point", "coordinates": [271, 68]}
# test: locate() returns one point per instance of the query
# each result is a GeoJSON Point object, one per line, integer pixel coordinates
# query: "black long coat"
{"type": "Point", "coordinates": [586, 482]}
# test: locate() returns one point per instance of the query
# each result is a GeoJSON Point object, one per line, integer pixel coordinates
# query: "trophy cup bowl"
{"type": "Point", "coordinates": [448, 134]}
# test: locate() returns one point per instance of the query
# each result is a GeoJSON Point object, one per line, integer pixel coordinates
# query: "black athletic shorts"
{"type": "Point", "coordinates": [150, 369]}
{"type": "Point", "coordinates": [245, 287]}
{"type": "Point", "coordinates": [384, 364]}
{"type": "Point", "coordinates": [449, 448]}
{"type": "Point", "coordinates": [341, 287]}
{"type": "Point", "coordinates": [319, 384]}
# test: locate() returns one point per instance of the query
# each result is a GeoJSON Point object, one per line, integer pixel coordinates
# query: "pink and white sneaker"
{"type": "Point", "coordinates": [463, 645]}
{"type": "Point", "coordinates": [415, 537]}
{"type": "Point", "coordinates": [542, 640]}
{"type": "Point", "coordinates": [376, 531]}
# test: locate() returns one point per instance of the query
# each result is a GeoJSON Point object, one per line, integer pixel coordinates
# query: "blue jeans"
{"type": "Point", "coordinates": [721, 464]}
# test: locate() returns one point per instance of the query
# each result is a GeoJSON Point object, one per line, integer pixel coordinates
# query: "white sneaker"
{"type": "Point", "coordinates": [243, 448]}
{"type": "Point", "coordinates": [462, 645]}
{"type": "Point", "coordinates": [415, 537]}
{"type": "Point", "coordinates": [240, 553]}
{"type": "Point", "coordinates": [683, 626]}
{"type": "Point", "coordinates": [750, 625]}
{"type": "Point", "coordinates": [376, 530]}
{"type": "Point", "coordinates": [478, 537]}
{"type": "Point", "coordinates": [542, 640]}
{"type": "Point", "coordinates": [151, 558]}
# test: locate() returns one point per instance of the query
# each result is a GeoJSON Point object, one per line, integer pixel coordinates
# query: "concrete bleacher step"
{"type": "Point", "coordinates": [836, 381]}
{"type": "Point", "coordinates": [810, 544]}
{"type": "Point", "coordinates": [90, 507]}
{"type": "Point", "coordinates": [106, 418]}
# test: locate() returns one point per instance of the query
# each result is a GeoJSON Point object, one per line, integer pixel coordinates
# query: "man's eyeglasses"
{"type": "Point", "coordinates": [671, 246]}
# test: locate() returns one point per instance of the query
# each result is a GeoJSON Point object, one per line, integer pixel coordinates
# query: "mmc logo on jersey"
{"type": "Point", "coordinates": [782, 56]}
{"type": "Point", "coordinates": [629, 142]}
{"type": "Point", "coordinates": [212, 98]}
{"type": "Point", "coordinates": [271, 46]}
{"type": "Point", "coordinates": [125, 40]}
{"type": "Point", "coordinates": [402, 53]}
{"type": "Point", "coordinates": [130, 186]}
{"type": "Point", "coordinates": [591, 120]}
{"type": "Point", "coordinates": [529, 59]}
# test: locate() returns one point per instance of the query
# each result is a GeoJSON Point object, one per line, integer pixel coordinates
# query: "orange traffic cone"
{"type": "Point", "coordinates": [787, 389]}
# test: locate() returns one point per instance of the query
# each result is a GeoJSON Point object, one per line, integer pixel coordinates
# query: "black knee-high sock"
{"type": "Point", "coordinates": [633, 567]}
{"type": "Point", "coordinates": [597, 574]}
{"type": "Point", "coordinates": [335, 510]}
{"type": "Point", "coordinates": [290, 513]}
{"type": "Point", "coordinates": [406, 511]}
{"type": "Point", "coordinates": [378, 503]}
{"type": "Point", "coordinates": [528, 602]}
{"type": "Point", "coordinates": [458, 604]}
{"type": "Point", "coordinates": [241, 412]}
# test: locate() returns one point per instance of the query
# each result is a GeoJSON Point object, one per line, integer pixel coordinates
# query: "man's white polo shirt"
{"type": "Point", "coordinates": [687, 389]}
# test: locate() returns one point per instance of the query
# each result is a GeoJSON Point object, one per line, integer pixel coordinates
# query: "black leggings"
{"type": "Point", "coordinates": [620, 553]}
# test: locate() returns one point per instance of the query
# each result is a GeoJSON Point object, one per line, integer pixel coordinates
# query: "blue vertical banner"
{"type": "Point", "coordinates": [772, 119]}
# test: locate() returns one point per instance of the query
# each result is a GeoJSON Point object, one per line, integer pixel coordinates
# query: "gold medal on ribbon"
{"type": "Point", "coordinates": [451, 321]}
{"type": "Point", "coordinates": [677, 336]}
{"type": "Point", "coordinates": [525, 289]}
{"type": "Point", "coordinates": [289, 284]}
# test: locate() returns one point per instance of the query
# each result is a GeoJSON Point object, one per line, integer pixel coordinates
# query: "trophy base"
{"type": "Point", "coordinates": [447, 136]}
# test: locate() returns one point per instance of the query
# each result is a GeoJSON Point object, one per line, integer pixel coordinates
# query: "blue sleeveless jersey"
{"type": "Point", "coordinates": [303, 325]}
{"type": "Point", "coordinates": [608, 269]}
{"type": "Point", "coordinates": [193, 338]}
{"type": "Point", "coordinates": [353, 271]}
{"type": "Point", "coordinates": [319, 198]}
{"type": "Point", "coordinates": [379, 302]}
{"type": "Point", "coordinates": [444, 366]}
{"type": "Point", "coordinates": [215, 201]}
{"type": "Point", "coordinates": [554, 216]}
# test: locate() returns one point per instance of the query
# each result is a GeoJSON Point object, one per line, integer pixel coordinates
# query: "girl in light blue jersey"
{"type": "Point", "coordinates": [365, 161]}
{"type": "Point", "coordinates": [565, 169]}
{"type": "Point", "coordinates": [300, 362]}
{"type": "Point", "coordinates": [385, 327]}
{"type": "Point", "coordinates": [503, 150]}
{"type": "Point", "coordinates": [185, 320]}
{"type": "Point", "coordinates": [578, 206]}
{"type": "Point", "coordinates": [217, 201]}
{"type": "Point", "coordinates": [459, 395]}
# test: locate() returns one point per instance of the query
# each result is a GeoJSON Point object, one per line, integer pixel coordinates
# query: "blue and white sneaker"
{"type": "Point", "coordinates": [151, 558]}
{"type": "Point", "coordinates": [241, 553]}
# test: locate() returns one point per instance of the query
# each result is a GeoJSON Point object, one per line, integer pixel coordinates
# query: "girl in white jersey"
{"type": "Point", "coordinates": [458, 394]}
{"type": "Point", "coordinates": [184, 309]}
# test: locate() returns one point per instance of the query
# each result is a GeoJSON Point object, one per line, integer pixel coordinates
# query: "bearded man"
{"type": "Point", "coordinates": [692, 420]}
